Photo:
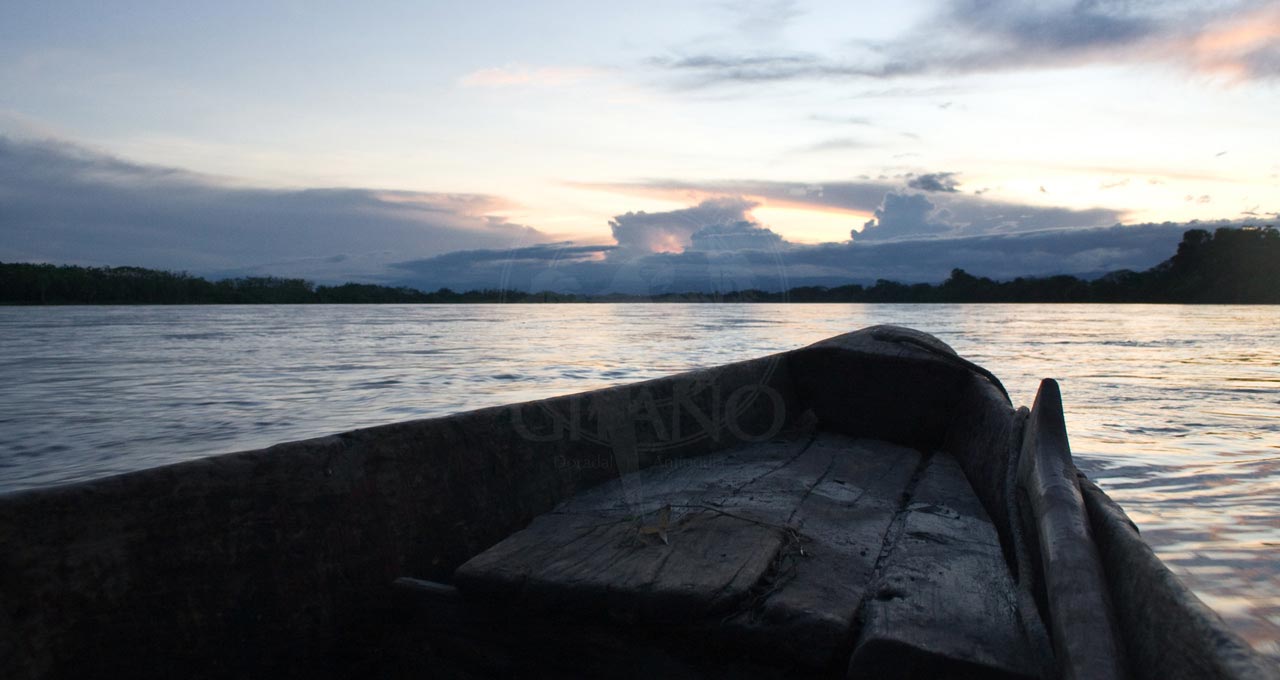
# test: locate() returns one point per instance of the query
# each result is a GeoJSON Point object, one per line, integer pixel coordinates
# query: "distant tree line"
{"type": "Point", "coordinates": [1230, 265]}
{"type": "Point", "coordinates": [47, 284]}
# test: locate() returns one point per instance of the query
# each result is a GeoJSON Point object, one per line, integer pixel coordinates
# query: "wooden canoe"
{"type": "Point", "coordinates": [868, 506]}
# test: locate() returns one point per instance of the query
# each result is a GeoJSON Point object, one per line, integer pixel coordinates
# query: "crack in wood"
{"type": "Point", "coordinates": [898, 524]}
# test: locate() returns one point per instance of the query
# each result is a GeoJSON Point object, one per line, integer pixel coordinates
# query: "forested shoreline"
{"type": "Point", "coordinates": [1229, 265]}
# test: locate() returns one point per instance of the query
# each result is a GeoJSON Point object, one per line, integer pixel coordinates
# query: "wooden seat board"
{"type": "Point", "coordinates": [843, 520]}
{"type": "Point", "coordinates": [592, 552]}
{"type": "Point", "coordinates": [809, 513]}
{"type": "Point", "coordinates": [778, 547]}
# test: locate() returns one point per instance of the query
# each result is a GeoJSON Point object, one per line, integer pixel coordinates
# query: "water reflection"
{"type": "Point", "coordinates": [1171, 408]}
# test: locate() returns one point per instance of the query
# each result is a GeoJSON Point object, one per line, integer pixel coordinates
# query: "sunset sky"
{"type": "Point", "coordinates": [431, 128]}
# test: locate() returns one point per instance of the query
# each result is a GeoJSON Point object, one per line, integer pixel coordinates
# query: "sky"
{"type": "Point", "coordinates": [632, 146]}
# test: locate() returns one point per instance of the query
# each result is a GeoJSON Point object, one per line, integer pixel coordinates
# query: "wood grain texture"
{"type": "Point", "coordinates": [809, 612]}
{"type": "Point", "coordinates": [777, 549]}
{"type": "Point", "coordinates": [943, 597]}
{"type": "Point", "coordinates": [676, 543]}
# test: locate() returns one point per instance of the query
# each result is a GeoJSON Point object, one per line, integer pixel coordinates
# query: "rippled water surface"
{"type": "Point", "coordinates": [1175, 410]}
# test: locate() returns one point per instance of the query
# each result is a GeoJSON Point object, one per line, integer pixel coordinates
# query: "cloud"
{"type": "Point", "coordinates": [840, 120]}
{"type": "Point", "coordinates": [763, 18]}
{"type": "Point", "coordinates": [520, 75]}
{"type": "Point", "coordinates": [63, 203]}
{"type": "Point", "coordinates": [732, 236]}
{"type": "Point", "coordinates": [833, 144]}
{"type": "Point", "coordinates": [706, 69]}
{"type": "Point", "coordinates": [914, 237]}
{"type": "Point", "coordinates": [1236, 40]}
{"type": "Point", "coordinates": [575, 269]}
{"type": "Point", "coordinates": [598, 270]}
{"type": "Point", "coordinates": [1002, 256]}
{"type": "Point", "coordinates": [1048, 30]}
{"type": "Point", "coordinates": [672, 231]}
{"type": "Point", "coordinates": [961, 214]}
{"type": "Point", "coordinates": [901, 216]}
{"type": "Point", "coordinates": [707, 246]}
{"type": "Point", "coordinates": [857, 196]}
{"type": "Point", "coordinates": [935, 181]}
{"type": "Point", "coordinates": [715, 245]}
{"type": "Point", "coordinates": [1243, 47]}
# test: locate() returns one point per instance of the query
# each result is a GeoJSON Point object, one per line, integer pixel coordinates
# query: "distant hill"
{"type": "Point", "coordinates": [1230, 265]}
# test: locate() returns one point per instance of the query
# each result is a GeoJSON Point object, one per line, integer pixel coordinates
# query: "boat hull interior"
{"type": "Point", "coordinates": [869, 506]}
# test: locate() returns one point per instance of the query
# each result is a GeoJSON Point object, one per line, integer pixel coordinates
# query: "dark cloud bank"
{"type": "Point", "coordinates": [716, 246]}
{"type": "Point", "coordinates": [971, 36]}
{"type": "Point", "coordinates": [62, 204]}
{"type": "Point", "coordinates": [597, 269]}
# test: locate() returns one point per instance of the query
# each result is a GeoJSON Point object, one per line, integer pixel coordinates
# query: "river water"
{"type": "Point", "coordinates": [1174, 410]}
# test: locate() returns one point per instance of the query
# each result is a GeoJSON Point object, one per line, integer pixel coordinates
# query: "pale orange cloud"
{"type": "Point", "coordinates": [1225, 48]}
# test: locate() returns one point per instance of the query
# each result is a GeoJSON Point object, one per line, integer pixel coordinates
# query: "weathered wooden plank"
{"type": "Point", "coordinates": [677, 556]}
{"type": "Point", "coordinates": [772, 546]}
{"type": "Point", "coordinates": [809, 610]}
{"type": "Point", "coordinates": [682, 483]}
{"type": "Point", "coordinates": [944, 601]}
